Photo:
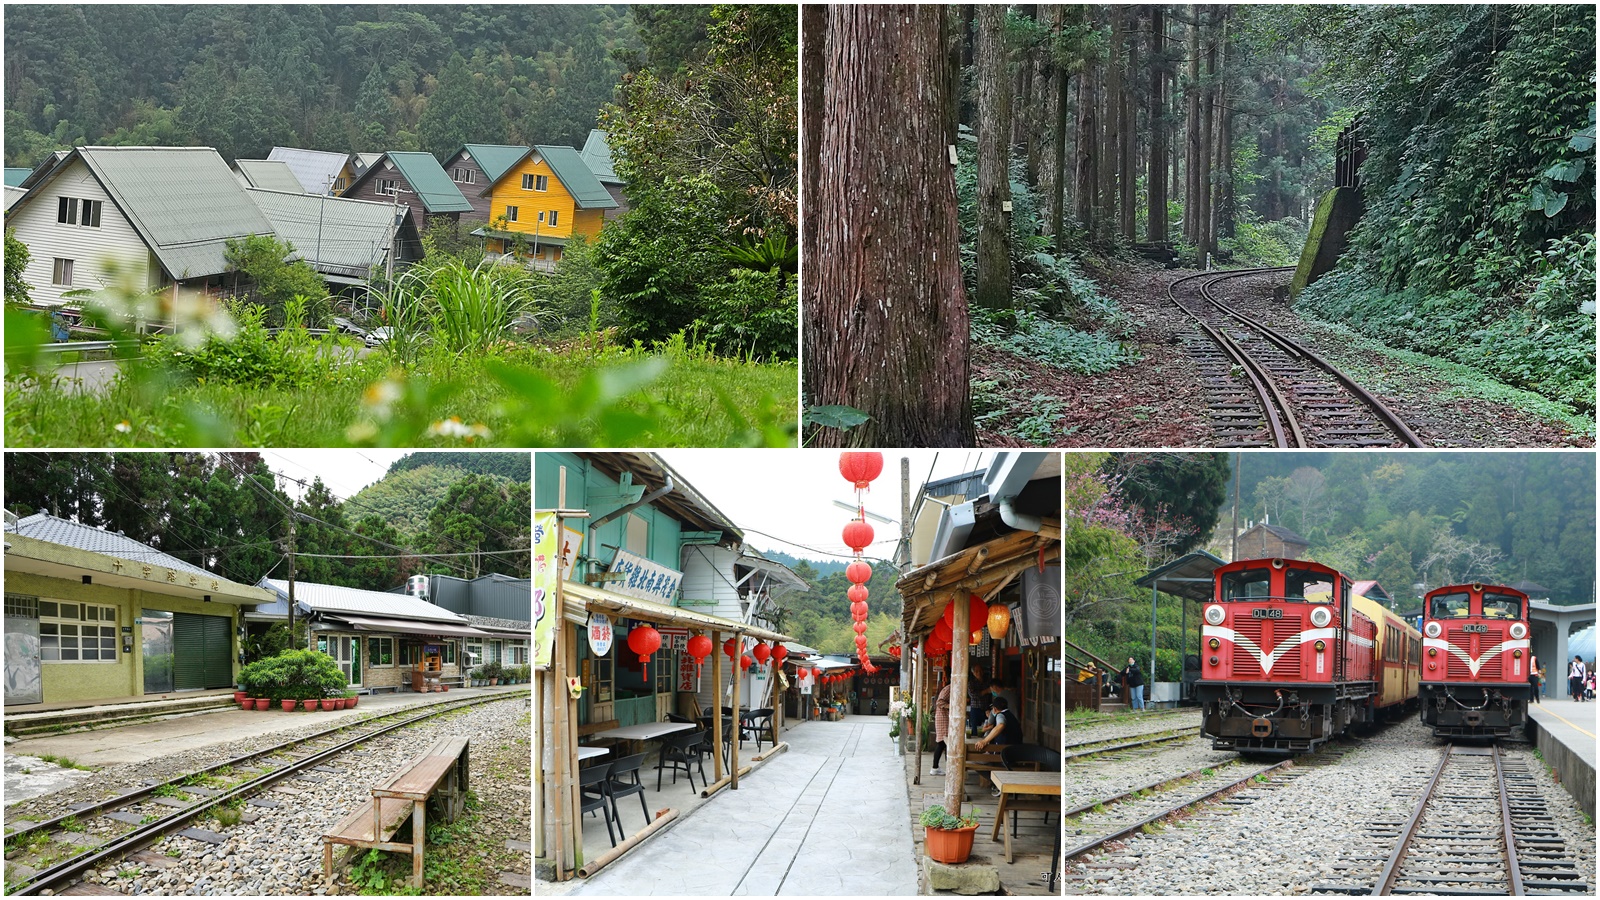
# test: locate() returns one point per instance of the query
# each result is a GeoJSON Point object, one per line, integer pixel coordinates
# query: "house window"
{"type": "Point", "coordinates": [541, 183]}
{"type": "Point", "coordinates": [554, 215]}
{"type": "Point", "coordinates": [448, 653]}
{"type": "Point", "coordinates": [388, 186]}
{"type": "Point", "coordinates": [463, 176]}
{"type": "Point", "coordinates": [77, 632]}
{"type": "Point", "coordinates": [511, 214]}
{"type": "Point", "coordinates": [665, 668]}
{"type": "Point", "coordinates": [519, 655]}
{"type": "Point", "coordinates": [475, 654]}
{"type": "Point", "coordinates": [541, 215]}
{"type": "Point", "coordinates": [91, 213]}
{"type": "Point", "coordinates": [380, 651]}
{"type": "Point", "coordinates": [410, 654]}
{"type": "Point", "coordinates": [67, 211]}
{"type": "Point", "coordinates": [61, 272]}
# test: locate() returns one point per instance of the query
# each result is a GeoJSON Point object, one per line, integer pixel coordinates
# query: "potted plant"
{"type": "Point", "coordinates": [350, 698]}
{"type": "Point", "coordinates": [262, 703]}
{"type": "Point", "coordinates": [309, 704]}
{"type": "Point", "coordinates": [949, 837]}
{"type": "Point", "coordinates": [289, 703]}
{"type": "Point", "coordinates": [491, 671]}
{"type": "Point", "coordinates": [240, 694]}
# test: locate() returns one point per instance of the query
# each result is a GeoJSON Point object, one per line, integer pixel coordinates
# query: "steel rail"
{"type": "Point", "coordinates": [1106, 839]}
{"type": "Point", "coordinates": [1259, 379]}
{"type": "Point", "coordinates": [1391, 868]}
{"type": "Point", "coordinates": [1144, 740]}
{"type": "Point", "coordinates": [1163, 782]}
{"type": "Point", "coordinates": [143, 835]}
{"type": "Point", "coordinates": [1389, 418]}
{"type": "Point", "coordinates": [1513, 864]}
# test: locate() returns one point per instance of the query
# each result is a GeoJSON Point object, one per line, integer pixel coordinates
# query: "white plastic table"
{"type": "Point", "coordinates": [645, 732]}
{"type": "Point", "coordinates": [591, 752]}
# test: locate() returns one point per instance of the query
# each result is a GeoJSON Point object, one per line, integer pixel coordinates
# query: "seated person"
{"type": "Point", "coordinates": [1006, 729]}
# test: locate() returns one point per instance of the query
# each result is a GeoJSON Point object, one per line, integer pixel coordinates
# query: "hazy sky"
{"type": "Point", "coordinates": [789, 493]}
{"type": "Point", "coordinates": [344, 471]}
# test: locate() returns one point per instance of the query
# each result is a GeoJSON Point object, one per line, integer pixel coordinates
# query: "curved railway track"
{"type": "Point", "coordinates": [1290, 396]}
{"type": "Point", "coordinates": [306, 754]}
{"type": "Point", "coordinates": [1480, 828]}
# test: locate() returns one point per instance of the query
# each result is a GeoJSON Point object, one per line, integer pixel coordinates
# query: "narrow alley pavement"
{"type": "Point", "coordinates": [830, 816]}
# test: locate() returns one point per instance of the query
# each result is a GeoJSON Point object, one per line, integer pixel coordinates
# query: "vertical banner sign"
{"type": "Point", "coordinates": [546, 552]}
{"type": "Point", "coordinates": [686, 677]}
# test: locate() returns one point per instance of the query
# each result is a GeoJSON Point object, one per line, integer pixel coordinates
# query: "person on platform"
{"type": "Point", "coordinates": [1135, 680]}
{"type": "Point", "coordinates": [941, 727]}
{"type": "Point", "coordinates": [1533, 677]}
{"type": "Point", "coordinates": [1577, 674]}
{"type": "Point", "coordinates": [1007, 729]}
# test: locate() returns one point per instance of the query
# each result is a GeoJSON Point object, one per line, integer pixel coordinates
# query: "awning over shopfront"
{"type": "Point", "coordinates": [985, 570]}
{"type": "Point", "coordinates": [407, 626]}
{"type": "Point", "coordinates": [593, 598]}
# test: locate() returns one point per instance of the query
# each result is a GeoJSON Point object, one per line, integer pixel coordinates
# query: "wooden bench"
{"type": "Point", "coordinates": [405, 794]}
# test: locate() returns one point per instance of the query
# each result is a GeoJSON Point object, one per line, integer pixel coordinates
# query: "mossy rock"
{"type": "Point", "coordinates": [1338, 210]}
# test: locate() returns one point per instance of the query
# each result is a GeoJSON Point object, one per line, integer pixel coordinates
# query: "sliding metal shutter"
{"type": "Point", "coordinates": [204, 652]}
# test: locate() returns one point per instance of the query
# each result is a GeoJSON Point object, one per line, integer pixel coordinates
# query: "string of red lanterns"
{"type": "Point", "coordinates": [860, 467]}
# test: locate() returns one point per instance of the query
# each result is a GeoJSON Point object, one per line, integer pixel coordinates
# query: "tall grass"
{"type": "Point", "coordinates": [457, 308]}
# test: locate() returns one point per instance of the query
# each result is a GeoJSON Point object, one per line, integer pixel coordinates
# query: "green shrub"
{"type": "Point", "coordinates": [294, 675]}
{"type": "Point", "coordinates": [1033, 336]}
{"type": "Point", "coordinates": [251, 355]}
{"type": "Point", "coordinates": [753, 315]}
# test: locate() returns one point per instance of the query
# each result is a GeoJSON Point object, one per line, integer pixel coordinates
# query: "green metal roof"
{"type": "Point", "coordinates": [334, 235]}
{"type": "Point", "coordinates": [495, 159]}
{"type": "Point", "coordinates": [528, 236]}
{"type": "Point", "coordinates": [185, 202]}
{"type": "Point", "coordinates": [14, 176]}
{"type": "Point", "coordinates": [271, 174]}
{"type": "Point", "coordinates": [576, 177]}
{"type": "Point", "coordinates": [597, 156]}
{"type": "Point", "coordinates": [433, 187]}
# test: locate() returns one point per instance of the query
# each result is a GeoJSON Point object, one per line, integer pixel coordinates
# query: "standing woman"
{"type": "Point", "coordinates": [1575, 679]}
{"type": "Point", "coordinates": [1533, 677]}
{"type": "Point", "coordinates": [941, 726]}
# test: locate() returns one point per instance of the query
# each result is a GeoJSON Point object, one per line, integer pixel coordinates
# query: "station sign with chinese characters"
{"type": "Point", "coordinates": [644, 579]}
{"type": "Point", "coordinates": [167, 576]}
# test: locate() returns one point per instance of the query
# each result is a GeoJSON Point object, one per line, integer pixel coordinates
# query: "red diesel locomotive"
{"type": "Point", "coordinates": [1476, 660]}
{"type": "Point", "coordinates": [1289, 659]}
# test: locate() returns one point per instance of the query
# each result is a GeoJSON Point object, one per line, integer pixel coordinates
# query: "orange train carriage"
{"type": "Point", "coordinates": [1476, 659]}
{"type": "Point", "coordinates": [1289, 659]}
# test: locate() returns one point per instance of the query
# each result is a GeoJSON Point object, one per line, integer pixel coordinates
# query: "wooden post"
{"type": "Point", "coordinates": [716, 703]}
{"type": "Point", "coordinates": [960, 639]}
{"type": "Point", "coordinates": [564, 850]}
{"type": "Point", "coordinates": [738, 653]}
{"type": "Point", "coordinates": [919, 677]}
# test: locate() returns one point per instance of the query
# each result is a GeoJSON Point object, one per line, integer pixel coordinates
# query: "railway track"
{"type": "Point", "coordinates": [148, 814]}
{"type": "Point", "coordinates": [1480, 828]}
{"type": "Point", "coordinates": [1289, 396]}
{"type": "Point", "coordinates": [1083, 749]}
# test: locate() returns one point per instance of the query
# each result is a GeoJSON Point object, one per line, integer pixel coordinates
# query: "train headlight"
{"type": "Point", "coordinates": [1320, 617]}
{"type": "Point", "coordinates": [1215, 644]}
{"type": "Point", "coordinates": [1517, 653]}
{"type": "Point", "coordinates": [1321, 646]}
{"type": "Point", "coordinates": [1519, 630]}
{"type": "Point", "coordinates": [1215, 614]}
{"type": "Point", "coordinates": [1432, 629]}
{"type": "Point", "coordinates": [1213, 660]}
{"type": "Point", "coordinates": [1277, 564]}
{"type": "Point", "coordinates": [1433, 651]}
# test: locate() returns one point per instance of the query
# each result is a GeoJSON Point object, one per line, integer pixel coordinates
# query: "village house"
{"type": "Point", "coordinates": [268, 174]}
{"type": "Point", "coordinates": [539, 203]}
{"type": "Point", "coordinates": [318, 171]}
{"type": "Point", "coordinates": [415, 181]}
{"type": "Point", "coordinates": [498, 605]}
{"type": "Point", "coordinates": [596, 155]}
{"type": "Point", "coordinates": [344, 240]}
{"type": "Point", "coordinates": [382, 641]}
{"type": "Point", "coordinates": [93, 615]}
{"type": "Point", "coordinates": [147, 217]}
{"type": "Point", "coordinates": [476, 166]}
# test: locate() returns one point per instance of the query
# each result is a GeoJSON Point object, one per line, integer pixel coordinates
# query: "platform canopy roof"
{"type": "Point", "coordinates": [1189, 576]}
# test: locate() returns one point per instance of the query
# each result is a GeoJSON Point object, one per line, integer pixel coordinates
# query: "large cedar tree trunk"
{"type": "Point", "coordinates": [993, 285]}
{"type": "Point", "coordinates": [886, 327]}
{"type": "Point", "coordinates": [1156, 224]}
{"type": "Point", "coordinates": [813, 75]}
{"type": "Point", "coordinates": [1088, 136]}
{"type": "Point", "coordinates": [1192, 154]}
{"type": "Point", "coordinates": [1058, 160]}
{"type": "Point", "coordinates": [1129, 123]}
{"type": "Point", "coordinates": [1110, 161]}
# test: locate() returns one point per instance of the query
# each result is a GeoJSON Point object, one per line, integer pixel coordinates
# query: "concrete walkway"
{"type": "Point", "coordinates": [1564, 732]}
{"type": "Point", "coordinates": [828, 817]}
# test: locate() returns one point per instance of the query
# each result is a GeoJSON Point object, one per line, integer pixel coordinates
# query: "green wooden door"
{"type": "Point", "coordinates": [204, 652]}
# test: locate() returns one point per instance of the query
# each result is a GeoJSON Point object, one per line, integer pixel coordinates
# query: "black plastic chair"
{"type": "Point", "coordinates": [1029, 758]}
{"type": "Point", "coordinates": [753, 722]}
{"type": "Point", "coordinates": [681, 751]}
{"type": "Point", "coordinates": [617, 787]}
{"type": "Point", "coordinates": [683, 720]}
{"type": "Point", "coordinates": [596, 796]}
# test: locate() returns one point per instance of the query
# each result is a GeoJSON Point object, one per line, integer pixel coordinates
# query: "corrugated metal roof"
{"type": "Point", "coordinates": [576, 177]}
{"type": "Point", "coordinates": [316, 170]}
{"type": "Point", "coordinates": [270, 174]}
{"type": "Point", "coordinates": [13, 194]}
{"type": "Point", "coordinates": [501, 624]}
{"type": "Point", "coordinates": [45, 527]}
{"type": "Point", "coordinates": [336, 599]}
{"type": "Point", "coordinates": [184, 201]}
{"type": "Point", "coordinates": [14, 176]}
{"type": "Point", "coordinates": [333, 234]}
{"type": "Point", "coordinates": [433, 187]}
{"type": "Point", "coordinates": [597, 156]}
{"type": "Point", "coordinates": [495, 159]}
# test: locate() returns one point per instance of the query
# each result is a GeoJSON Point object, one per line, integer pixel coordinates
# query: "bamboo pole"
{"type": "Point", "coordinates": [768, 753]}
{"type": "Point", "coordinates": [716, 703]}
{"type": "Point", "coordinates": [738, 726]}
{"type": "Point", "coordinates": [721, 783]}
{"type": "Point", "coordinates": [960, 638]}
{"type": "Point", "coordinates": [563, 811]}
{"type": "Point", "coordinates": [657, 824]}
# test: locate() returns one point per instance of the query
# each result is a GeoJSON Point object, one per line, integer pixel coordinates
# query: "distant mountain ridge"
{"type": "Point", "coordinates": [823, 567]}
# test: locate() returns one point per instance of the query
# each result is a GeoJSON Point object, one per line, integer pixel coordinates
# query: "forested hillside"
{"type": "Point", "coordinates": [510, 466]}
{"type": "Point", "coordinates": [225, 513]}
{"type": "Point", "coordinates": [243, 78]}
{"type": "Point", "coordinates": [1403, 519]}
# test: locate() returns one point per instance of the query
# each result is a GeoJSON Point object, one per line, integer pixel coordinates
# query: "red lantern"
{"type": "Point", "coordinates": [895, 651]}
{"type": "Point", "coordinates": [858, 611]}
{"type": "Point", "coordinates": [644, 641]}
{"type": "Point", "coordinates": [977, 612]}
{"type": "Point", "coordinates": [860, 467]}
{"type": "Point", "coordinates": [816, 672]}
{"type": "Point", "coordinates": [857, 593]}
{"type": "Point", "coordinates": [860, 627]}
{"type": "Point", "coordinates": [941, 632]}
{"type": "Point", "coordinates": [761, 652]}
{"type": "Point", "coordinates": [779, 653]}
{"type": "Point", "coordinates": [859, 572]}
{"type": "Point", "coordinates": [744, 661]}
{"type": "Point", "coordinates": [730, 647]}
{"type": "Point", "coordinates": [857, 534]}
{"type": "Point", "coordinates": [699, 648]}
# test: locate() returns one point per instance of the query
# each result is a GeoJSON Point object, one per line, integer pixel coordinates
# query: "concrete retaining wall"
{"type": "Point", "coordinates": [1576, 774]}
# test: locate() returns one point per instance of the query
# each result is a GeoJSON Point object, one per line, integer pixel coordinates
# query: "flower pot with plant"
{"type": "Point", "coordinates": [289, 705]}
{"type": "Point", "coordinates": [949, 837]}
{"type": "Point", "coordinates": [350, 698]}
{"type": "Point", "coordinates": [262, 703]}
{"type": "Point", "coordinates": [310, 704]}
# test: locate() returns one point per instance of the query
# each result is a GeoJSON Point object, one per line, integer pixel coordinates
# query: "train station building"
{"type": "Point", "coordinates": [93, 615]}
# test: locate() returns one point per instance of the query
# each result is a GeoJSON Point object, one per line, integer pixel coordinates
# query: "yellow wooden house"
{"type": "Point", "coordinates": [537, 205]}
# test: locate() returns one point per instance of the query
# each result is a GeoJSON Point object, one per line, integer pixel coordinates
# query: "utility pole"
{"type": "Point", "coordinates": [291, 578]}
{"type": "Point", "coordinates": [902, 561]}
{"type": "Point", "coordinates": [1238, 461]}
{"type": "Point", "coordinates": [394, 231]}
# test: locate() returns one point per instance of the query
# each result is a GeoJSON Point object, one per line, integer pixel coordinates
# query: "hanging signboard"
{"type": "Point", "coordinates": [674, 637]}
{"type": "Point", "coordinates": [571, 546]}
{"type": "Point", "coordinates": [645, 579]}
{"type": "Point", "coordinates": [600, 635]}
{"type": "Point", "coordinates": [687, 680]}
{"type": "Point", "coordinates": [546, 550]}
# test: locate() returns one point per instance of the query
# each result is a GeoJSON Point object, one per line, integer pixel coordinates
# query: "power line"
{"type": "Point", "coordinates": [411, 555]}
